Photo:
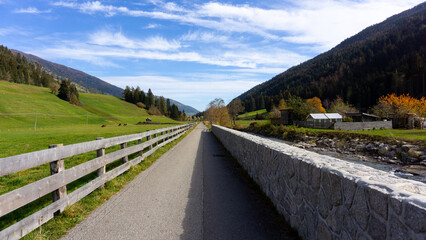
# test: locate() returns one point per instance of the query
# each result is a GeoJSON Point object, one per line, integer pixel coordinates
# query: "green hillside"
{"type": "Point", "coordinates": [252, 115]}
{"type": "Point", "coordinates": [21, 106]}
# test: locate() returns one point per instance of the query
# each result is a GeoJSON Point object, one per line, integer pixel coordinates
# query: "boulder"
{"type": "Point", "coordinates": [414, 153]}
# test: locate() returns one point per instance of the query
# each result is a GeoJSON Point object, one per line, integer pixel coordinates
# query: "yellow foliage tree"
{"type": "Point", "coordinates": [217, 112]}
{"type": "Point", "coordinates": [316, 103]}
{"type": "Point", "coordinates": [282, 105]}
{"type": "Point", "coordinates": [403, 104]}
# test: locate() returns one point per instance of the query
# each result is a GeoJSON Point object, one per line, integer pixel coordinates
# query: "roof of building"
{"type": "Point", "coordinates": [361, 114]}
{"type": "Point", "coordinates": [325, 116]}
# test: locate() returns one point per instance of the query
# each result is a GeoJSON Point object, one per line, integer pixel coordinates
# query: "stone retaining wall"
{"type": "Point", "coordinates": [357, 126]}
{"type": "Point", "coordinates": [327, 198]}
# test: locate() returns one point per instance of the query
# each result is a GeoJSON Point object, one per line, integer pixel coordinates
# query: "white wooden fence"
{"type": "Point", "coordinates": [60, 177]}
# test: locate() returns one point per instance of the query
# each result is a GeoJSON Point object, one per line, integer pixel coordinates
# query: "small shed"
{"type": "Point", "coordinates": [287, 116]}
{"type": "Point", "coordinates": [323, 120]}
{"type": "Point", "coordinates": [362, 117]}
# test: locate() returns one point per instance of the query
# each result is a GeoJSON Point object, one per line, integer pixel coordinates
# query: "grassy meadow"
{"type": "Point", "coordinates": [24, 106]}
{"type": "Point", "coordinates": [252, 115]}
{"type": "Point", "coordinates": [60, 122]}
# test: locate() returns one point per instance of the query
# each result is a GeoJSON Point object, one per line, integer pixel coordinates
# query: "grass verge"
{"type": "Point", "coordinates": [58, 227]}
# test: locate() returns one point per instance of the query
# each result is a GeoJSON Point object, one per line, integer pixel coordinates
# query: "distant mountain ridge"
{"type": "Point", "coordinates": [389, 57]}
{"type": "Point", "coordinates": [182, 107]}
{"type": "Point", "coordinates": [89, 83]}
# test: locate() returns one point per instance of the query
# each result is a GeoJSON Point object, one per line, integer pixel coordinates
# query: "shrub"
{"type": "Point", "coordinates": [141, 105]}
{"type": "Point", "coordinates": [347, 119]}
{"type": "Point", "coordinates": [154, 111]}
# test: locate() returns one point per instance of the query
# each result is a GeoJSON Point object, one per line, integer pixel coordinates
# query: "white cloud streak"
{"type": "Point", "coordinates": [106, 38]}
{"type": "Point", "coordinates": [325, 23]}
{"type": "Point", "coordinates": [31, 10]}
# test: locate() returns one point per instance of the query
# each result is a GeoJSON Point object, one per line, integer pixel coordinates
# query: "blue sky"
{"type": "Point", "coordinates": [190, 51]}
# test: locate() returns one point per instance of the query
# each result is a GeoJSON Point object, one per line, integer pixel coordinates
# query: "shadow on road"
{"type": "Point", "coordinates": [224, 203]}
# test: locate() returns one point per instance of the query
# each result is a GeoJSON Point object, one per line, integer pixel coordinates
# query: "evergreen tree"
{"type": "Point", "coordinates": [157, 103]}
{"type": "Point", "coordinates": [142, 97]}
{"type": "Point", "coordinates": [127, 94]}
{"type": "Point", "coordinates": [252, 104]}
{"type": "Point", "coordinates": [150, 99]}
{"type": "Point", "coordinates": [68, 92]}
{"type": "Point", "coordinates": [261, 102]}
{"type": "Point", "coordinates": [163, 107]}
{"type": "Point", "coordinates": [169, 107]}
{"type": "Point", "coordinates": [64, 90]}
{"type": "Point", "coordinates": [175, 114]}
{"type": "Point", "coordinates": [136, 94]}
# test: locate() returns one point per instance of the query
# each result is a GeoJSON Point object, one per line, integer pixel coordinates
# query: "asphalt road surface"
{"type": "Point", "coordinates": [194, 191]}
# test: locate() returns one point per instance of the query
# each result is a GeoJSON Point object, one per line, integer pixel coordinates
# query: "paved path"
{"type": "Point", "coordinates": [192, 192]}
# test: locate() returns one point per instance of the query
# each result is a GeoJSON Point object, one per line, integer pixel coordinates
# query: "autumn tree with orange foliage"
{"type": "Point", "coordinates": [217, 112]}
{"type": "Point", "coordinates": [316, 103]}
{"type": "Point", "coordinates": [392, 104]}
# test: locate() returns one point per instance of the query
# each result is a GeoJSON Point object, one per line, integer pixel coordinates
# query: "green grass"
{"type": "Point", "coordinates": [246, 123]}
{"type": "Point", "coordinates": [59, 122]}
{"type": "Point", "coordinates": [395, 134]}
{"type": "Point", "coordinates": [419, 134]}
{"type": "Point", "coordinates": [58, 227]}
{"type": "Point", "coordinates": [252, 115]}
{"type": "Point", "coordinates": [18, 142]}
{"type": "Point", "coordinates": [19, 104]}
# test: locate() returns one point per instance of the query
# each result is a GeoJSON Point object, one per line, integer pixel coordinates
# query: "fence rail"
{"type": "Point", "coordinates": [60, 177]}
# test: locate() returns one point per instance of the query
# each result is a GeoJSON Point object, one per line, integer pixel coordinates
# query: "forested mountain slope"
{"type": "Point", "coordinates": [389, 57]}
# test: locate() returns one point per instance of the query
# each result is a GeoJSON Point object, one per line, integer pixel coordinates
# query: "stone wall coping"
{"type": "Point", "coordinates": [396, 187]}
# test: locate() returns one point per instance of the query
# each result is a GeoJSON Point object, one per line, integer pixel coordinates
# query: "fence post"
{"type": "Point", "coordinates": [156, 143]}
{"type": "Point", "coordinates": [55, 168]}
{"type": "Point", "coordinates": [147, 139]}
{"type": "Point", "coordinates": [141, 152]}
{"type": "Point", "coordinates": [125, 158]}
{"type": "Point", "coordinates": [101, 171]}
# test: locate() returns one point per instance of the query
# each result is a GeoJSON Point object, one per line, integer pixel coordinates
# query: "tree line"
{"type": "Point", "coordinates": [154, 105]}
{"type": "Point", "coordinates": [15, 68]}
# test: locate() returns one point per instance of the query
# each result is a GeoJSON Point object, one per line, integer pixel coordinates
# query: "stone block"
{"type": "Point", "coordinates": [310, 222]}
{"type": "Point", "coordinates": [293, 184]}
{"type": "Point", "coordinates": [335, 219]}
{"type": "Point", "coordinates": [326, 186]}
{"type": "Point", "coordinates": [322, 231]}
{"type": "Point", "coordinates": [305, 173]}
{"type": "Point", "coordinates": [316, 178]}
{"type": "Point", "coordinates": [348, 189]}
{"type": "Point", "coordinates": [336, 188]}
{"type": "Point", "coordinates": [397, 229]}
{"type": "Point", "coordinates": [345, 236]}
{"type": "Point", "coordinates": [359, 209]}
{"type": "Point", "coordinates": [376, 228]}
{"type": "Point", "coordinates": [311, 197]}
{"type": "Point", "coordinates": [378, 202]}
{"type": "Point", "coordinates": [349, 225]}
{"type": "Point", "coordinates": [323, 206]}
{"type": "Point", "coordinates": [396, 205]}
{"type": "Point", "coordinates": [415, 218]}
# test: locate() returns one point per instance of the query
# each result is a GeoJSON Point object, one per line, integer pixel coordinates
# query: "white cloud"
{"type": "Point", "coordinates": [106, 38]}
{"type": "Point", "coordinates": [117, 46]}
{"type": "Point", "coordinates": [13, 30]}
{"type": "Point", "coordinates": [205, 37]}
{"type": "Point", "coordinates": [325, 23]}
{"type": "Point", "coordinates": [31, 10]}
{"type": "Point", "coordinates": [152, 26]}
